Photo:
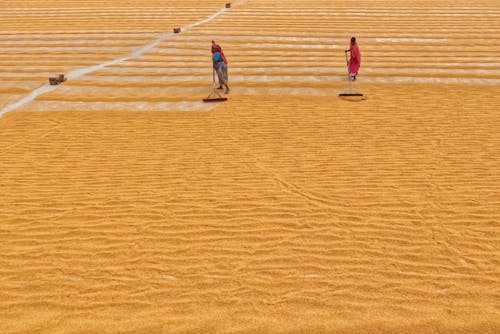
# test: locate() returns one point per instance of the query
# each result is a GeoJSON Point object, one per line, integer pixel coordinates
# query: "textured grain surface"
{"type": "Point", "coordinates": [128, 206]}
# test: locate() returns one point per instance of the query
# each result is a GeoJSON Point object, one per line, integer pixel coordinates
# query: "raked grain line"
{"type": "Point", "coordinates": [81, 72]}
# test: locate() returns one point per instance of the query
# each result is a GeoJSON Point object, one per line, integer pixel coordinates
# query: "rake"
{"type": "Point", "coordinates": [350, 92]}
{"type": "Point", "coordinates": [214, 96]}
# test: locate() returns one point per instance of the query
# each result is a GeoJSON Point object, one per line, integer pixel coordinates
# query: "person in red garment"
{"type": "Point", "coordinates": [355, 59]}
{"type": "Point", "coordinates": [216, 48]}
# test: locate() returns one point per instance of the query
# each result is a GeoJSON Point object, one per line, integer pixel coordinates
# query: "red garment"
{"type": "Point", "coordinates": [217, 48]}
{"type": "Point", "coordinates": [355, 61]}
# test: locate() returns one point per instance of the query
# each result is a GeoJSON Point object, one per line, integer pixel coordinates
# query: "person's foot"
{"type": "Point", "coordinates": [353, 78]}
{"type": "Point", "coordinates": [220, 87]}
{"type": "Point", "coordinates": [227, 91]}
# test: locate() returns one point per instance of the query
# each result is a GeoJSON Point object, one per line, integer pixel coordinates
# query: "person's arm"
{"type": "Point", "coordinates": [214, 63]}
{"type": "Point", "coordinates": [355, 54]}
{"type": "Point", "coordinates": [350, 55]}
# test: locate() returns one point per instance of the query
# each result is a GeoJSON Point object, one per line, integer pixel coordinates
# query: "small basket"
{"type": "Point", "coordinates": [54, 81]}
{"type": "Point", "coordinates": [228, 5]}
{"type": "Point", "coordinates": [177, 30]}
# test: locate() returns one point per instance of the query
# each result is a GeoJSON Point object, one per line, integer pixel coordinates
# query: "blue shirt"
{"type": "Point", "coordinates": [217, 56]}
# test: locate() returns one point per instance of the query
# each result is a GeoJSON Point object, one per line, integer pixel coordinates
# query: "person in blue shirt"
{"type": "Point", "coordinates": [221, 68]}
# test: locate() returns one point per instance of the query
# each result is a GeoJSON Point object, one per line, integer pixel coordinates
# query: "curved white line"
{"type": "Point", "coordinates": [208, 19]}
{"type": "Point", "coordinates": [78, 73]}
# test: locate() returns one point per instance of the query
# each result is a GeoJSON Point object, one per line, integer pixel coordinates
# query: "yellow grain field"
{"type": "Point", "coordinates": [129, 206]}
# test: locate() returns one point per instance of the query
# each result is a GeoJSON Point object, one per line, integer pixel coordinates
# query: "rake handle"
{"type": "Point", "coordinates": [348, 74]}
{"type": "Point", "coordinates": [213, 77]}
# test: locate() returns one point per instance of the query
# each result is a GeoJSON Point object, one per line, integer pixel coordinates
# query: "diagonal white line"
{"type": "Point", "coordinates": [78, 73]}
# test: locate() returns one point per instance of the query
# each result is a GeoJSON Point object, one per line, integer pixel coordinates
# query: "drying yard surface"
{"type": "Point", "coordinates": [129, 206]}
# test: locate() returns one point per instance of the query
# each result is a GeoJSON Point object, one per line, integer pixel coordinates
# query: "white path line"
{"type": "Point", "coordinates": [208, 19]}
{"type": "Point", "coordinates": [33, 95]}
{"type": "Point", "coordinates": [78, 73]}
